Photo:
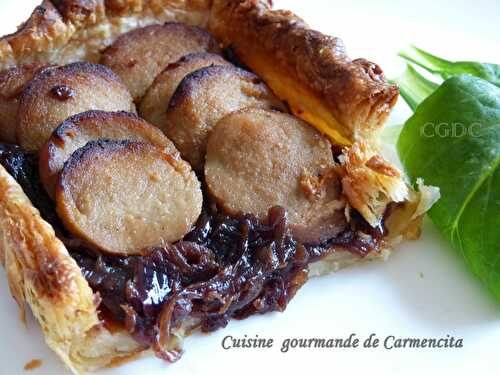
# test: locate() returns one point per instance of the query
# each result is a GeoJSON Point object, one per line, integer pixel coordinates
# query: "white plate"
{"type": "Point", "coordinates": [423, 291]}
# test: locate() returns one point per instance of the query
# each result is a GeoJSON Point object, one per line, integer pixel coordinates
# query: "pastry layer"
{"type": "Point", "coordinates": [343, 98]}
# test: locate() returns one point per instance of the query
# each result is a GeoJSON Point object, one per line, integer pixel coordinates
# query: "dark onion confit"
{"type": "Point", "coordinates": [226, 267]}
{"type": "Point", "coordinates": [134, 289]}
{"type": "Point", "coordinates": [23, 166]}
{"type": "Point", "coordinates": [262, 267]}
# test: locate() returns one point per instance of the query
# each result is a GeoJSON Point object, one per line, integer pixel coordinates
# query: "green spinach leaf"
{"type": "Point", "coordinates": [453, 142]}
{"type": "Point", "coordinates": [447, 69]}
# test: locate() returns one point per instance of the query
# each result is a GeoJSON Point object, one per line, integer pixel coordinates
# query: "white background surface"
{"type": "Point", "coordinates": [423, 291]}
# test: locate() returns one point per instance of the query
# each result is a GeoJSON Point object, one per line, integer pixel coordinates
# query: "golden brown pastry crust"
{"type": "Point", "coordinates": [39, 269]}
{"type": "Point", "coordinates": [346, 99]}
{"type": "Point", "coordinates": [41, 273]}
{"type": "Point", "coordinates": [64, 31]}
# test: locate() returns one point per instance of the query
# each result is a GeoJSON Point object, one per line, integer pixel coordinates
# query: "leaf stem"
{"type": "Point", "coordinates": [414, 87]}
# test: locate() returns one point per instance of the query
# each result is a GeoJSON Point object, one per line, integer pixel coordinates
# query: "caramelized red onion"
{"type": "Point", "coordinates": [261, 271]}
{"type": "Point", "coordinates": [134, 289]}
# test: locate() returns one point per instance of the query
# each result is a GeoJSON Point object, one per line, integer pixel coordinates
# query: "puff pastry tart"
{"type": "Point", "coordinates": [249, 169]}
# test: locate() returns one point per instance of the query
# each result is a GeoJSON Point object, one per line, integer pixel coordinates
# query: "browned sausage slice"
{"type": "Point", "coordinates": [54, 94]}
{"type": "Point", "coordinates": [141, 54]}
{"type": "Point", "coordinates": [123, 196]}
{"type": "Point", "coordinates": [154, 104]}
{"type": "Point", "coordinates": [257, 159]}
{"type": "Point", "coordinates": [12, 83]}
{"type": "Point", "coordinates": [80, 129]}
{"type": "Point", "coordinates": [203, 98]}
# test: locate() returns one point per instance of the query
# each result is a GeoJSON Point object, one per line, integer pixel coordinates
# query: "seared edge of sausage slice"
{"type": "Point", "coordinates": [12, 83]}
{"type": "Point", "coordinates": [154, 105]}
{"type": "Point", "coordinates": [124, 196]}
{"type": "Point", "coordinates": [138, 56]}
{"type": "Point", "coordinates": [203, 98]}
{"type": "Point", "coordinates": [54, 94]}
{"type": "Point", "coordinates": [257, 159]}
{"type": "Point", "coordinates": [78, 130]}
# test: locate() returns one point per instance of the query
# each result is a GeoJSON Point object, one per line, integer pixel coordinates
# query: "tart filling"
{"type": "Point", "coordinates": [225, 267]}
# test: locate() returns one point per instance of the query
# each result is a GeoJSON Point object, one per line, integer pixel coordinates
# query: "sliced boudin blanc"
{"type": "Point", "coordinates": [141, 54]}
{"type": "Point", "coordinates": [203, 98]}
{"type": "Point", "coordinates": [56, 93]}
{"type": "Point", "coordinates": [124, 196]}
{"type": "Point", "coordinates": [257, 159]}
{"type": "Point", "coordinates": [88, 126]}
{"type": "Point", "coordinates": [12, 84]}
{"type": "Point", "coordinates": [154, 104]}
